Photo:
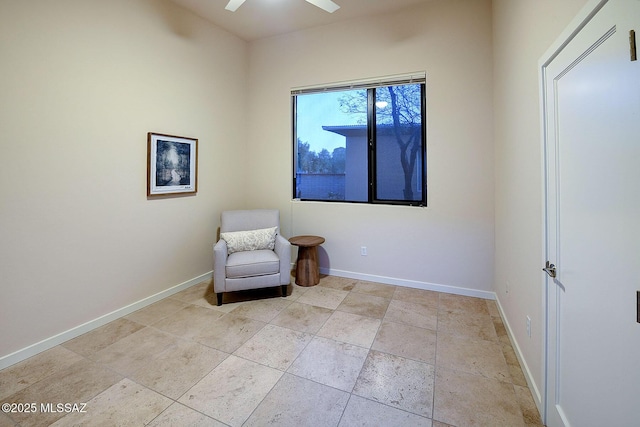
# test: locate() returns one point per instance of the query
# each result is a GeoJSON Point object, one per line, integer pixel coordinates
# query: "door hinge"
{"type": "Point", "coordinates": [632, 45]}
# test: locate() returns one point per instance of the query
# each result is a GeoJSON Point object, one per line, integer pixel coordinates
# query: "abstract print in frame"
{"type": "Point", "coordinates": [172, 164]}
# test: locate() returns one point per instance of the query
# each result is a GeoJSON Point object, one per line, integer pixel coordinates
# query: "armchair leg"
{"type": "Point", "coordinates": [219, 295]}
{"type": "Point", "coordinates": [284, 290]}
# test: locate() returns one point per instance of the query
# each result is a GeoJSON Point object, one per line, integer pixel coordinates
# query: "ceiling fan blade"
{"type": "Point", "coordinates": [327, 5]}
{"type": "Point", "coordinates": [234, 5]}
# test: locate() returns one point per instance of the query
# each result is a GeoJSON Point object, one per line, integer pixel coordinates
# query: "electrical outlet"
{"type": "Point", "coordinates": [529, 326]}
{"type": "Point", "coordinates": [363, 250]}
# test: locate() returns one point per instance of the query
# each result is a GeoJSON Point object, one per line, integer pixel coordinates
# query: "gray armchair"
{"type": "Point", "coordinates": [251, 253]}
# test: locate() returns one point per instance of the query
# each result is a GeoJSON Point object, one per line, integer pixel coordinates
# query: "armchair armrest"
{"type": "Point", "coordinates": [283, 250]}
{"type": "Point", "coordinates": [220, 255]}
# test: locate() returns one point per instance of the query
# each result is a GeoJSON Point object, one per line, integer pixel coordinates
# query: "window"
{"type": "Point", "coordinates": [362, 142]}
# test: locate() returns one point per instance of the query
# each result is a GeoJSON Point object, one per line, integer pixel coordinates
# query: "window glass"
{"type": "Point", "coordinates": [321, 170]}
{"type": "Point", "coordinates": [361, 145]}
{"type": "Point", "coordinates": [399, 143]}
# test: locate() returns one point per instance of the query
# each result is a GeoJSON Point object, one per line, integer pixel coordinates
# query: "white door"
{"type": "Point", "coordinates": [592, 151]}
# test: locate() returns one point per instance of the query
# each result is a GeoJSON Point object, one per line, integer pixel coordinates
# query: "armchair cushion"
{"type": "Point", "coordinates": [250, 240]}
{"type": "Point", "coordinates": [252, 263]}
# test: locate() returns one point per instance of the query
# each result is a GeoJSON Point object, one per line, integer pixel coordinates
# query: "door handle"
{"type": "Point", "coordinates": [550, 269]}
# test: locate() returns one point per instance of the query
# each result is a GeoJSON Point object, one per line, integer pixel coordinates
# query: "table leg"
{"type": "Point", "coordinates": [307, 272]}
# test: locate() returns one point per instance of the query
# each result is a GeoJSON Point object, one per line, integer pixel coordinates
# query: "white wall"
{"type": "Point", "coordinates": [522, 32]}
{"type": "Point", "coordinates": [451, 242]}
{"type": "Point", "coordinates": [82, 83]}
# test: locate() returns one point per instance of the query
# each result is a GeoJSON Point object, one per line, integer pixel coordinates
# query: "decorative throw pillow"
{"type": "Point", "coordinates": [250, 240]}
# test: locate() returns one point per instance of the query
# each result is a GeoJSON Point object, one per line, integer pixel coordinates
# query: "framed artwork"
{"type": "Point", "coordinates": [172, 164]}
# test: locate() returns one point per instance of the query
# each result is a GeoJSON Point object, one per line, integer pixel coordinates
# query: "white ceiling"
{"type": "Point", "coordinates": [257, 19]}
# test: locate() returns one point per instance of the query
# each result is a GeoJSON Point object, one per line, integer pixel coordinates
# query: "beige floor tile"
{"type": "Point", "coordinates": [492, 306]}
{"type": "Point", "coordinates": [406, 341]}
{"type": "Point", "coordinates": [188, 363]}
{"type": "Point", "coordinates": [229, 332]}
{"type": "Point", "coordinates": [504, 339]}
{"type": "Point", "coordinates": [528, 407]}
{"type": "Point", "coordinates": [464, 304]}
{"type": "Point", "coordinates": [398, 382]}
{"type": "Point", "coordinates": [336, 282]}
{"type": "Point", "coordinates": [298, 402]}
{"type": "Point", "coordinates": [263, 310]}
{"type": "Point", "coordinates": [365, 305]}
{"type": "Point", "coordinates": [501, 331]}
{"type": "Point", "coordinates": [197, 294]}
{"type": "Point", "coordinates": [509, 355]}
{"type": "Point", "coordinates": [471, 326]}
{"type": "Point", "coordinates": [375, 289]}
{"type": "Point", "coordinates": [135, 351]}
{"type": "Point", "coordinates": [515, 370]}
{"type": "Point", "coordinates": [102, 337]}
{"type": "Point", "coordinates": [362, 412]}
{"type": "Point", "coordinates": [350, 328]}
{"type": "Point", "coordinates": [5, 421]}
{"type": "Point", "coordinates": [227, 307]}
{"type": "Point", "coordinates": [77, 383]}
{"type": "Point", "coordinates": [419, 296]}
{"type": "Point", "coordinates": [188, 322]}
{"type": "Point", "coordinates": [463, 399]}
{"type": "Point", "coordinates": [366, 350]}
{"type": "Point", "coordinates": [302, 317]}
{"type": "Point", "coordinates": [413, 314]}
{"type": "Point", "coordinates": [232, 391]}
{"type": "Point", "coordinates": [294, 291]}
{"type": "Point", "coordinates": [38, 367]}
{"type": "Point", "coordinates": [125, 403]}
{"type": "Point", "coordinates": [321, 296]}
{"type": "Point", "coordinates": [483, 358]}
{"type": "Point", "coordinates": [180, 415]}
{"type": "Point", "coordinates": [274, 346]}
{"type": "Point", "coordinates": [208, 300]}
{"type": "Point", "coordinates": [517, 376]}
{"type": "Point", "coordinates": [331, 363]}
{"type": "Point", "coordinates": [157, 311]}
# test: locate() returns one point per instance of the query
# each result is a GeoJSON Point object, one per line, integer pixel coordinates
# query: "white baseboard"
{"type": "Point", "coordinates": [411, 283]}
{"type": "Point", "coordinates": [55, 340]}
{"type": "Point", "coordinates": [535, 391]}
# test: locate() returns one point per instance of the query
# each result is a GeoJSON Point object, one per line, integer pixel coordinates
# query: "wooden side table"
{"type": "Point", "coordinates": [307, 271]}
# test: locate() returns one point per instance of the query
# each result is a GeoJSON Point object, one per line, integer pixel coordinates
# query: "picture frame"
{"type": "Point", "coordinates": [172, 165]}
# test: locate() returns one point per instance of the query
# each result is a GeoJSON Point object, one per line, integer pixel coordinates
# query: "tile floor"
{"type": "Point", "coordinates": [343, 353]}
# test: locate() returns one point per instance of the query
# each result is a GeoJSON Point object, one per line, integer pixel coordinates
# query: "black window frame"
{"type": "Point", "coordinates": [371, 140]}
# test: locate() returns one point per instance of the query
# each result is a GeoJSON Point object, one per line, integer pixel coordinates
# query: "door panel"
{"type": "Point", "coordinates": [592, 116]}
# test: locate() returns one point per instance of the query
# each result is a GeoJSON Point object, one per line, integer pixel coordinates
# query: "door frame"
{"type": "Point", "coordinates": [591, 8]}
